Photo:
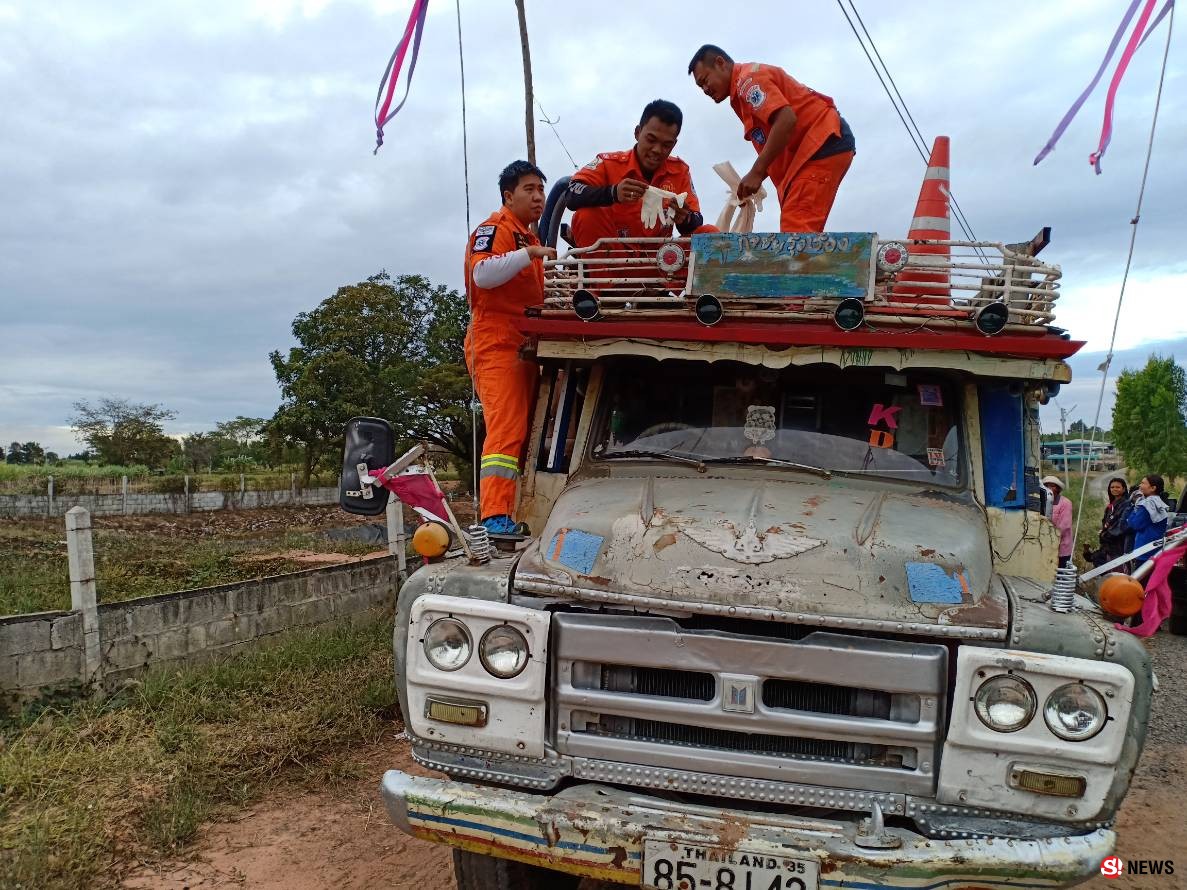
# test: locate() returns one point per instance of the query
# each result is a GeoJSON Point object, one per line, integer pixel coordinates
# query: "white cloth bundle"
{"type": "Point", "coordinates": [748, 206]}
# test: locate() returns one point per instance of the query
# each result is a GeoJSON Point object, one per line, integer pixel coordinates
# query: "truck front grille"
{"type": "Point", "coordinates": [644, 690]}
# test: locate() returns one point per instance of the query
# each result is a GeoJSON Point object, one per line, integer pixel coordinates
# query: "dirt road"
{"type": "Point", "coordinates": [342, 839]}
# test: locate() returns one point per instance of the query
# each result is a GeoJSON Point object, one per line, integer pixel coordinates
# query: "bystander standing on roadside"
{"type": "Point", "coordinates": [1061, 517]}
{"type": "Point", "coordinates": [1148, 518]}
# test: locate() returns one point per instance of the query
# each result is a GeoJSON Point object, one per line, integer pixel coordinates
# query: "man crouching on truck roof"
{"type": "Point", "coordinates": [606, 192]}
{"type": "Point", "coordinates": [803, 143]}
{"type": "Point", "coordinates": [504, 274]}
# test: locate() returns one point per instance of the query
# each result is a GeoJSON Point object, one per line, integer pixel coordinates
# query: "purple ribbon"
{"type": "Point", "coordinates": [1071, 112]}
{"type": "Point", "coordinates": [1106, 130]}
{"type": "Point", "coordinates": [387, 84]}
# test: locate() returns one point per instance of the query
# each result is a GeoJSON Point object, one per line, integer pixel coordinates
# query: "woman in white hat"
{"type": "Point", "coordinates": [1061, 517]}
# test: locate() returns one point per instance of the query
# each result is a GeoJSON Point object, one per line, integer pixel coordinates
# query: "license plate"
{"type": "Point", "coordinates": [672, 865]}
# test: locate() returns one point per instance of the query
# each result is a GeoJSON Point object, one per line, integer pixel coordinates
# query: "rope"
{"type": "Point", "coordinates": [904, 114]}
{"type": "Point", "coordinates": [1133, 237]}
{"type": "Point", "coordinates": [461, 60]}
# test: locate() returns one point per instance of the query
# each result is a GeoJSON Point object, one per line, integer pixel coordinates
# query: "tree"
{"type": "Point", "coordinates": [125, 433]}
{"type": "Point", "coordinates": [30, 453]}
{"type": "Point", "coordinates": [199, 451]}
{"type": "Point", "coordinates": [369, 350]}
{"type": "Point", "coordinates": [1149, 425]}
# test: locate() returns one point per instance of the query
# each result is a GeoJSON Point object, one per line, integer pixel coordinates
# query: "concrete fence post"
{"type": "Point", "coordinates": [124, 486]}
{"type": "Point", "coordinates": [49, 490]}
{"type": "Point", "coordinates": [293, 486]}
{"type": "Point", "coordinates": [242, 486]}
{"type": "Point", "coordinates": [81, 556]}
{"type": "Point", "coordinates": [187, 494]}
{"type": "Point", "coordinates": [395, 535]}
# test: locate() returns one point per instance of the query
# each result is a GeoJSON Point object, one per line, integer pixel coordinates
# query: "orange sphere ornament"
{"type": "Point", "coordinates": [1121, 595]}
{"type": "Point", "coordinates": [431, 540]}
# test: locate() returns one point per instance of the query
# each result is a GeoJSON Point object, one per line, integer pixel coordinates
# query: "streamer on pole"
{"type": "Point", "coordinates": [387, 84]}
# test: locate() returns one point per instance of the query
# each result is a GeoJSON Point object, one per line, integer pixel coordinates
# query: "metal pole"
{"type": "Point", "coordinates": [395, 534]}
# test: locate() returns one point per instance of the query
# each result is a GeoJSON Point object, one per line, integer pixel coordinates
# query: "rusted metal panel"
{"type": "Point", "coordinates": [750, 543]}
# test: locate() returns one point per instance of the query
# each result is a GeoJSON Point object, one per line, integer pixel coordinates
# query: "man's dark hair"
{"type": "Point", "coordinates": [667, 112]}
{"type": "Point", "coordinates": [704, 53]}
{"type": "Point", "coordinates": [514, 172]}
{"type": "Point", "coordinates": [1157, 483]}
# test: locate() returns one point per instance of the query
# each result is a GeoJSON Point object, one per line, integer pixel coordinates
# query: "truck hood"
{"type": "Point", "coordinates": [829, 549]}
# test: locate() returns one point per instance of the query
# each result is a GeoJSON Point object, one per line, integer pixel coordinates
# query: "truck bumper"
{"type": "Point", "coordinates": [598, 831]}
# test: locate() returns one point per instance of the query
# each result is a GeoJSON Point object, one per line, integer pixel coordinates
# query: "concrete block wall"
{"type": "Point", "coordinates": [43, 653]}
{"type": "Point", "coordinates": [141, 502]}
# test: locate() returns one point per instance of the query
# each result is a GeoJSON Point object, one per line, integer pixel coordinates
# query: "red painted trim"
{"type": "Point", "coordinates": [780, 333]}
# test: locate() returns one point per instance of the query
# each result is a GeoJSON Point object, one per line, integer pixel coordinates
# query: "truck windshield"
{"type": "Point", "coordinates": [900, 425]}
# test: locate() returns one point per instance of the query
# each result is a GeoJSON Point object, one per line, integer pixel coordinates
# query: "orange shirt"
{"type": "Point", "coordinates": [493, 311]}
{"type": "Point", "coordinates": [761, 90]}
{"type": "Point", "coordinates": [623, 220]}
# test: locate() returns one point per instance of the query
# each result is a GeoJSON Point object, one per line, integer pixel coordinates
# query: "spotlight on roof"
{"type": "Point", "coordinates": [709, 310]}
{"type": "Point", "coordinates": [849, 314]}
{"type": "Point", "coordinates": [991, 319]}
{"type": "Point", "coordinates": [586, 306]}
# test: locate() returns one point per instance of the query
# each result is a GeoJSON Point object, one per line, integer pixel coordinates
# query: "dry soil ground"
{"type": "Point", "coordinates": [342, 839]}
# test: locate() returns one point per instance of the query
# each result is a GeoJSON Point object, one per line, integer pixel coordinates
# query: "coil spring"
{"type": "Point", "coordinates": [1063, 591]}
{"type": "Point", "coordinates": [480, 545]}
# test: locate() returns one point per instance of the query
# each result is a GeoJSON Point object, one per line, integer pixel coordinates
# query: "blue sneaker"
{"type": "Point", "coordinates": [499, 525]}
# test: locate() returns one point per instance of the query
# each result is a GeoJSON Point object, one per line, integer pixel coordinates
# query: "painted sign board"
{"type": "Point", "coordinates": [783, 265]}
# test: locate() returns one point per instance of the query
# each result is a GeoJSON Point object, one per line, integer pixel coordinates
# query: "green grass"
{"type": "Point", "coordinates": [140, 556]}
{"type": "Point", "coordinates": [89, 790]}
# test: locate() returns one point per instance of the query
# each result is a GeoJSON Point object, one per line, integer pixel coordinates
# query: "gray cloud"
{"type": "Point", "coordinates": [181, 179]}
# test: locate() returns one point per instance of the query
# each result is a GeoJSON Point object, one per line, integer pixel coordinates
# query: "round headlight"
{"type": "Point", "coordinates": [504, 651]}
{"type": "Point", "coordinates": [1005, 703]}
{"type": "Point", "coordinates": [447, 644]}
{"type": "Point", "coordinates": [1075, 712]}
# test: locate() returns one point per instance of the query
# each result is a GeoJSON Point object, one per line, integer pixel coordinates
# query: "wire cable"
{"type": "Point", "coordinates": [904, 113]}
{"type": "Point", "coordinates": [552, 126]}
{"type": "Point", "coordinates": [1133, 237]}
{"type": "Point", "coordinates": [461, 60]}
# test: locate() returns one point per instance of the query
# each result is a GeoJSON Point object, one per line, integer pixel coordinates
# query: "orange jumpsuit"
{"type": "Point", "coordinates": [807, 184]}
{"type": "Point", "coordinates": [624, 220]}
{"type": "Point", "coordinates": [506, 383]}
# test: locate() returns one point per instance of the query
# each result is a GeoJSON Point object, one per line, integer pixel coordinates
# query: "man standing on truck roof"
{"type": "Point", "coordinates": [803, 143]}
{"type": "Point", "coordinates": [504, 274]}
{"type": "Point", "coordinates": [606, 192]}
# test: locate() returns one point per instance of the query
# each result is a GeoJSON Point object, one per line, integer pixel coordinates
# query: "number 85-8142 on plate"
{"type": "Point", "coordinates": [673, 865]}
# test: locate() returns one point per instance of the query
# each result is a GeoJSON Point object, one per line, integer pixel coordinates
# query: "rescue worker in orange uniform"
{"type": "Point", "coordinates": [803, 143]}
{"type": "Point", "coordinates": [606, 193]}
{"type": "Point", "coordinates": [504, 274]}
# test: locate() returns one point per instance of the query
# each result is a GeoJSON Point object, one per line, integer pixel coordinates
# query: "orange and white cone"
{"type": "Point", "coordinates": [932, 222]}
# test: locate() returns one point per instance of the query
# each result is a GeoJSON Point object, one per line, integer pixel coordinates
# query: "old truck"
{"type": "Point", "coordinates": [789, 617]}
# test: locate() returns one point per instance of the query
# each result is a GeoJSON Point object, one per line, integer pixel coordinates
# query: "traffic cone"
{"type": "Point", "coordinates": [932, 222]}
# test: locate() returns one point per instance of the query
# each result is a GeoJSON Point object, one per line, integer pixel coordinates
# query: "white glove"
{"type": "Point", "coordinates": [654, 212]}
{"type": "Point", "coordinates": [749, 206]}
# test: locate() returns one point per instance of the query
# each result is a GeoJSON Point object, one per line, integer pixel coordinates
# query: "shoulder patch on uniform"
{"type": "Point", "coordinates": [594, 164]}
{"type": "Point", "coordinates": [755, 96]}
{"type": "Point", "coordinates": [484, 241]}
{"type": "Point", "coordinates": [757, 136]}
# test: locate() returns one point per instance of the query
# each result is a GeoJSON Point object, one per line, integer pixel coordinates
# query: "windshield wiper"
{"type": "Point", "coordinates": [661, 455]}
{"type": "Point", "coordinates": [754, 459]}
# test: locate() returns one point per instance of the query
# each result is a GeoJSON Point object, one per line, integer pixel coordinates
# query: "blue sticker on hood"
{"type": "Point", "coordinates": [575, 549]}
{"type": "Point", "coordinates": [930, 583]}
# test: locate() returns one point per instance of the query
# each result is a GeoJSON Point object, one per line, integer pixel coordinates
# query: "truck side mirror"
{"type": "Point", "coordinates": [370, 444]}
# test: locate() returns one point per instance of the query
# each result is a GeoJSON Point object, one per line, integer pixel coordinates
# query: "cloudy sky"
{"type": "Point", "coordinates": [180, 179]}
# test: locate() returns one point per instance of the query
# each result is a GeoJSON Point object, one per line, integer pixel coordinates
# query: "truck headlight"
{"type": "Point", "coordinates": [1005, 703]}
{"type": "Point", "coordinates": [503, 651]}
{"type": "Point", "coordinates": [447, 644]}
{"type": "Point", "coordinates": [1075, 712]}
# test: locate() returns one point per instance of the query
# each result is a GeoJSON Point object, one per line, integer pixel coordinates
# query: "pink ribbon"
{"type": "Point", "coordinates": [387, 84]}
{"type": "Point", "coordinates": [1156, 607]}
{"type": "Point", "coordinates": [1106, 132]}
